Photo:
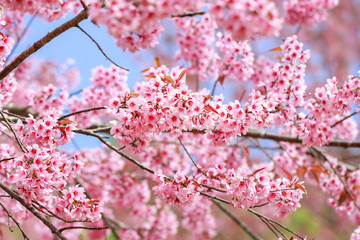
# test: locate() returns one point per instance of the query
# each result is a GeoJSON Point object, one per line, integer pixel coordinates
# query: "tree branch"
{"type": "Point", "coordinates": [188, 14]}
{"type": "Point", "coordinates": [92, 39]}
{"type": "Point", "coordinates": [42, 42]}
{"type": "Point", "coordinates": [16, 222]}
{"type": "Point", "coordinates": [81, 111]}
{"type": "Point", "coordinates": [237, 221]}
{"type": "Point", "coordinates": [31, 209]}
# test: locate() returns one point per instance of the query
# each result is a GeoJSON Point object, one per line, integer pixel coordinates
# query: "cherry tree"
{"type": "Point", "coordinates": [218, 131]}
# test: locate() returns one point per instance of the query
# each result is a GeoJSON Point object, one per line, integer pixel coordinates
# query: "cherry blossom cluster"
{"type": "Point", "coordinates": [152, 222]}
{"type": "Point", "coordinates": [195, 37]}
{"type": "Point", "coordinates": [263, 69]}
{"type": "Point", "coordinates": [197, 219]}
{"type": "Point", "coordinates": [163, 154]}
{"type": "Point", "coordinates": [41, 174]}
{"type": "Point", "coordinates": [246, 19]}
{"type": "Point", "coordinates": [180, 191]}
{"type": "Point", "coordinates": [235, 59]}
{"type": "Point", "coordinates": [356, 234]}
{"type": "Point", "coordinates": [6, 44]}
{"type": "Point", "coordinates": [107, 83]}
{"type": "Point", "coordinates": [162, 102]}
{"type": "Point", "coordinates": [44, 82]}
{"type": "Point", "coordinates": [329, 104]}
{"type": "Point", "coordinates": [248, 189]}
{"type": "Point", "coordinates": [46, 98]}
{"type": "Point", "coordinates": [8, 151]}
{"type": "Point", "coordinates": [7, 88]}
{"type": "Point", "coordinates": [49, 9]}
{"type": "Point", "coordinates": [136, 24]}
{"type": "Point", "coordinates": [307, 12]}
{"type": "Point", "coordinates": [12, 22]}
{"type": "Point", "coordinates": [47, 132]}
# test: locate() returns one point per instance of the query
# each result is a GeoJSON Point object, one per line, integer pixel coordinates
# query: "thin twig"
{"type": "Point", "coordinates": [192, 160]}
{"type": "Point", "coordinates": [22, 147]}
{"type": "Point", "coordinates": [82, 227]}
{"type": "Point", "coordinates": [31, 209]}
{"type": "Point", "coordinates": [101, 138]}
{"type": "Point", "coordinates": [42, 42]}
{"type": "Point", "coordinates": [14, 220]}
{"type": "Point", "coordinates": [263, 149]}
{"type": "Point", "coordinates": [214, 88]}
{"type": "Point", "coordinates": [81, 111]}
{"type": "Point", "coordinates": [92, 39]}
{"type": "Point", "coordinates": [269, 226]}
{"type": "Point", "coordinates": [341, 120]}
{"type": "Point", "coordinates": [275, 222]}
{"type": "Point", "coordinates": [51, 214]}
{"type": "Point", "coordinates": [237, 221]}
{"type": "Point", "coordinates": [7, 159]}
{"type": "Point", "coordinates": [188, 14]}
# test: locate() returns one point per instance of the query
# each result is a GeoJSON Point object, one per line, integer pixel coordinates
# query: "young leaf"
{"type": "Point", "coordinates": [65, 121]}
{"type": "Point", "coordinates": [157, 61]}
{"type": "Point", "coordinates": [287, 174]}
{"type": "Point", "coordinates": [182, 74]}
{"type": "Point", "coordinates": [275, 49]}
{"type": "Point", "coordinates": [299, 186]}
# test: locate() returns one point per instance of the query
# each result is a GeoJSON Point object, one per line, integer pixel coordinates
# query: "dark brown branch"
{"type": "Point", "coordinates": [7, 159]}
{"type": "Point", "coordinates": [188, 14]}
{"type": "Point", "coordinates": [82, 227]}
{"type": "Point", "coordinates": [14, 220]}
{"type": "Point", "coordinates": [51, 214]}
{"type": "Point", "coordinates": [42, 42]}
{"type": "Point", "coordinates": [22, 147]}
{"type": "Point", "coordinates": [81, 111]}
{"type": "Point", "coordinates": [341, 120]}
{"type": "Point", "coordinates": [92, 39]}
{"type": "Point", "coordinates": [237, 221]}
{"type": "Point", "coordinates": [283, 138]}
{"type": "Point", "coordinates": [192, 160]}
{"type": "Point", "coordinates": [31, 209]}
{"type": "Point", "coordinates": [275, 222]}
{"type": "Point", "coordinates": [101, 138]}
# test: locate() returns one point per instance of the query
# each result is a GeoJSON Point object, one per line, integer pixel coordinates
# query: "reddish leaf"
{"type": "Point", "coordinates": [169, 79]}
{"type": "Point", "coordinates": [210, 109]}
{"type": "Point", "coordinates": [206, 98]}
{"type": "Point", "coordinates": [196, 184]}
{"type": "Point", "coordinates": [315, 175]}
{"type": "Point", "coordinates": [246, 152]}
{"type": "Point", "coordinates": [318, 168]}
{"type": "Point", "coordinates": [221, 175]}
{"type": "Point", "coordinates": [287, 174]}
{"type": "Point", "coordinates": [134, 94]}
{"type": "Point", "coordinates": [302, 171]}
{"type": "Point", "coordinates": [221, 79]}
{"type": "Point", "coordinates": [145, 70]}
{"type": "Point", "coordinates": [275, 49]}
{"type": "Point", "coordinates": [150, 75]}
{"type": "Point", "coordinates": [62, 130]}
{"type": "Point", "coordinates": [342, 198]}
{"type": "Point", "coordinates": [65, 121]}
{"type": "Point", "coordinates": [157, 61]}
{"type": "Point", "coordinates": [258, 170]}
{"type": "Point", "coordinates": [182, 74]}
{"type": "Point", "coordinates": [299, 186]}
